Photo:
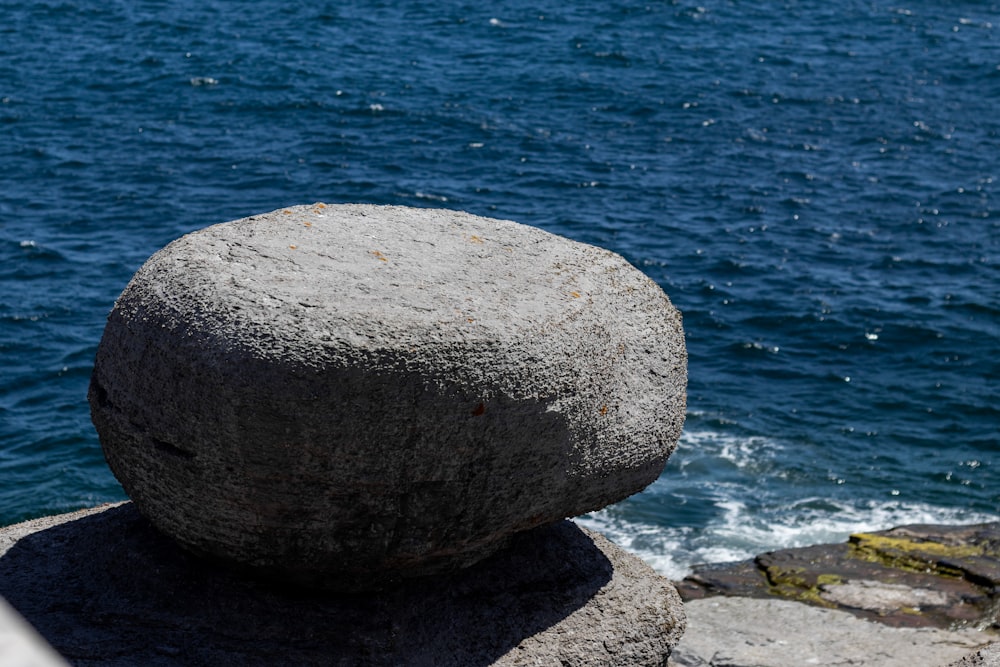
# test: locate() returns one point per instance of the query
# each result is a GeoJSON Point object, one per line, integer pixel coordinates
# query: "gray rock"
{"type": "Point", "coordinates": [881, 597]}
{"type": "Point", "coordinates": [345, 394]}
{"type": "Point", "coordinates": [104, 588]}
{"type": "Point", "coordinates": [749, 632]}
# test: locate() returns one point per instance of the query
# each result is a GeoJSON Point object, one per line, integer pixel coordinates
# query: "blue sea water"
{"type": "Point", "coordinates": [816, 185]}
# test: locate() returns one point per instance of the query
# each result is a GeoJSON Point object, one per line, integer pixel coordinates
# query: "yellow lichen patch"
{"type": "Point", "coordinates": [575, 295]}
{"type": "Point", "coordinates": [287, 212]}
{"type": "Point", "coordinates": [911, 554]}
{"type": "Point", "coordinates": [829, 580]}
{"type": "Point", "coordinates": [308, 224]}
{"type": "Point", "coordinates": [791, 576]}
{"type": "Point", "coordinates": [476, 239]}
{"type": "Point", "coordinates": [379, 256]}
{"type": "Point", "coordinates": [604, 410]}
{"type": "Point", "coordinates": [791, 583]}
{"type": "Point", "coordinates": [884, 542]}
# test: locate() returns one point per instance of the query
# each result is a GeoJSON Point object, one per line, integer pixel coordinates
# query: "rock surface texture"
{"type": "Point", "coordinates": [751, 632]}
{"type": "Point", "coordinates": [105, 588]}
{"type": "Point", "coordinates": [347, 394]}
{"type": "Point", "coordinates": [988, 656]}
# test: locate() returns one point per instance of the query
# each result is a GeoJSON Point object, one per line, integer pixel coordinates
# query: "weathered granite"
{"type": "Point", "coordinates": [105, 588]}
{"type": "Point", "coordinates": [916, 576]}
{"type": "Point", "coordinates": [754, 632]}
{"type": "Point", "coordinates": [344, 395]}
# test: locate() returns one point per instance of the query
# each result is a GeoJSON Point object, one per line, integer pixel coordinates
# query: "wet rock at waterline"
{"type": "Point", "coordinates": [351, 394]}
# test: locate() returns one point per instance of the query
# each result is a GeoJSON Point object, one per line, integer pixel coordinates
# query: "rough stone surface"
{"type": "Point", "coordinates": [341, 394]}
{"type": "Point", "coordinates": [752, 632]}
{"type": "Point", "coordinates": [105, 588]}
{"type": "Point", "coordinates": [881, 597]}
{"type": "Point", "coordinates": [916, 576]}
{"type": "Point", "coordinates": [988, 656]}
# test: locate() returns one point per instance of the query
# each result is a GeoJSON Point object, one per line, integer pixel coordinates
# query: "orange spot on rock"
{"type": "Point", "coordinates": [379, 256]}
{"type": "Point", "coordinates": [476, 239]}
{"type": "Point", "coordinates": [293, 247]}
{"type": "Point", "coordinates": [575, 295]}
{"type": "Point", "coordinates": [604, 409]}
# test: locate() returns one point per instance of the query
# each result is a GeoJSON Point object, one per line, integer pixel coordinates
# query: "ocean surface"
{"type": "Point", "coordinates": [815, 184]}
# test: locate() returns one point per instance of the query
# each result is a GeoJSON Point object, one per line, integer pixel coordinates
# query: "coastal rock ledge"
{"type": "Point", "coordinates": [916, 595]}
{"type": "Point", "coordinates": [350, 395]}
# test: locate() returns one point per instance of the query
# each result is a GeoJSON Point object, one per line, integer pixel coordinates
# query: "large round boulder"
{"type": "Point", "coordinates": [350, 394]}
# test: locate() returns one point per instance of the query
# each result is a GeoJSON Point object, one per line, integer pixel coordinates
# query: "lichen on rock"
{"type": "Point", "coordinates": [914, 576]}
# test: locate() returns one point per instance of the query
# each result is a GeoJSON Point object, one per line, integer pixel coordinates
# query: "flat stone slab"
{"type": "Point", "coordinates": [345, 395]}
{"type": "Point", "coordinates": [909, 576]}
{"type": "Point", "coordinates": [104, 588]}
{"type": "Point", "coordinates": [753, 632]}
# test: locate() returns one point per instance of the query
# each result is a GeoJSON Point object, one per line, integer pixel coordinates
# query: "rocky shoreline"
{"type": "Point", "coordinates": [913, 595]}
{"type": "Point", "coordinates": [909, 576]}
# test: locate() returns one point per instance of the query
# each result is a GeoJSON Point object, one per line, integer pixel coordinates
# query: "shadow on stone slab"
{"type": "Point", "coordinates": [108, 589]}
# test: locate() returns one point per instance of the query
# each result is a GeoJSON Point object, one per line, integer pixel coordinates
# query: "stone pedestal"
{"type": "Point", "coordinates": [105, 588]}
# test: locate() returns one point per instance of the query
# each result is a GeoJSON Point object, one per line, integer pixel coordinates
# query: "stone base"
{"type": "Point", "coordinates": [104, 588]}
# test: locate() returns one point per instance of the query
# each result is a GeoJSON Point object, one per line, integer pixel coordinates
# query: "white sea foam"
{"type": "Point", "coordinates": [739, 534]}
{"type": "Point", "coordinates": [740, 452]}
{"type": "Point", "coordinates": [431, 197]}
{"type": "Point", "coordinates": [740, 523]}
